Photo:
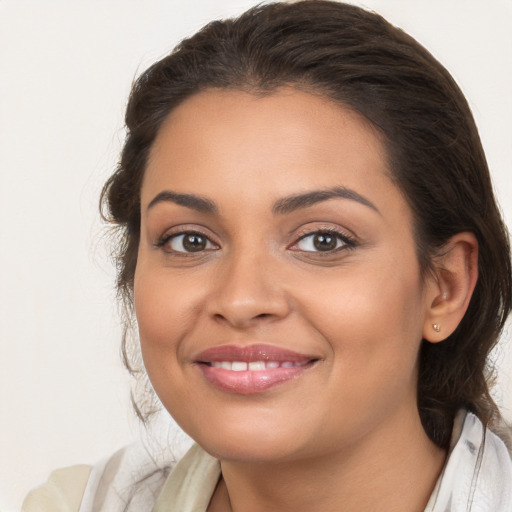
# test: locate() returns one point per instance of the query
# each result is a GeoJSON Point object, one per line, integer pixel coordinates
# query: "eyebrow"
{"type": "Point", "coordinates": [282, 206]}
{"type": "Point", "coordinates": [199, 203]}
{"type": "Point", "coordinates": [300, 201]}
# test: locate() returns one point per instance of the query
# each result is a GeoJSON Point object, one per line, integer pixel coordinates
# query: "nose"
{"type": "Point", "coordinates": [247, 292]}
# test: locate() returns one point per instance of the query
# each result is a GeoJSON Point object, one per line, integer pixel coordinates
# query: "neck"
{"type": "Point", "coordinates": [364, 476]}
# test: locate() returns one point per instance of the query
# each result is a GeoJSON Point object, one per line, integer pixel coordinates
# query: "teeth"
{"type": "Point", "coordinates": [256, 365]}
{"type": "Point", "coordinates": [241, 366]}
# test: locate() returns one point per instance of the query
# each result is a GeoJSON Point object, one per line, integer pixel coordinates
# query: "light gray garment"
{"type": "Point", "coordinates": [477, 476]}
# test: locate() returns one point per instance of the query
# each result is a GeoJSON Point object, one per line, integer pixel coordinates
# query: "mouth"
{"type": "Point", "coordinates": [253, 369]}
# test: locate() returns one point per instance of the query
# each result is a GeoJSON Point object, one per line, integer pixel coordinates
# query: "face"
{"type": "Point", "coordinates": [277, 289]}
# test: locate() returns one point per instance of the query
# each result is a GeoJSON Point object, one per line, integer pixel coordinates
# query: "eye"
{"type": "Point", "coordinates": [188, 242]}
{"type": "Point", "coordinates": [322, 241]}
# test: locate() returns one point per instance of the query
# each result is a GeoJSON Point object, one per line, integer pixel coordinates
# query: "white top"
{"type": "Point", "coordinates": [477, 477]}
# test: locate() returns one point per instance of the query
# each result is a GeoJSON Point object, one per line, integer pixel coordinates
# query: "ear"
{"type": "Point", "coordinates": [449, 289]}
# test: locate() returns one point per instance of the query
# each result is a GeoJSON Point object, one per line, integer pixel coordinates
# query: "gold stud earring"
{"type": "Point", "coordinates": [436, 327]}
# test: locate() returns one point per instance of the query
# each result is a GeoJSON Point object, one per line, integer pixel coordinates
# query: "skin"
{"type": "Point", "coordinates": [346, 434]}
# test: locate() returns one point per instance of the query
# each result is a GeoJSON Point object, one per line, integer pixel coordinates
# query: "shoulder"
{"type": "Point", "coordinates": [62, 492]}
{"type": "Point", "coordinates": [504, 431]}
{"type": "Point", "coordinates": [130, 479]}
{"type": "Point", "coordinates": [478, 470]}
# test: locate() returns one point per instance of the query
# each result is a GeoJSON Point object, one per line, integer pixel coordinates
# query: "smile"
{"type": "Point", "coordinates": [253, 369]}
{"type": "Point", "coordinates": [241, 366]}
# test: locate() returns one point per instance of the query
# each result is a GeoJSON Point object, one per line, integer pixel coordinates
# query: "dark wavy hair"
{"type": "Point", "coordinates": [359, 60]}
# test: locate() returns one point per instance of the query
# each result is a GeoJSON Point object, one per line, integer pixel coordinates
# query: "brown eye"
{"type": "Point", "coordinates": [325, 242]}
{"type": "Point", "coordinates": [189, 242]}
{"type": "Point", "coordinates": [194, 243]}
{"type": "Point", "coordinates": [322, 241]}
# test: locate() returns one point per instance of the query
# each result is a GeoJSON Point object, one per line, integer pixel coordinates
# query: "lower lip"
{"type": "Point", "coordinates": [250, 382]}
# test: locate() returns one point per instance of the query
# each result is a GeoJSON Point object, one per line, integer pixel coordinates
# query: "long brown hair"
{"type": "Point", "coordinates": [358, 59]}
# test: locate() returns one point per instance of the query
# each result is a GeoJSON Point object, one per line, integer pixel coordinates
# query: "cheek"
{"type": "Point", "coordinates": [160, 313]}
{"type": "Point", "coordinates": [378, 311]}
{"type": "Point", "coordinates": [168, 306]}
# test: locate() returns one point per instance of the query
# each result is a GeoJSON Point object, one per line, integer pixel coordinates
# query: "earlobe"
{"type": "Point", "coordinates": [451, 286]}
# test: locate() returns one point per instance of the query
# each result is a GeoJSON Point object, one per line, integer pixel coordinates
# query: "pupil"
{"type": "Point", "coordinates": [325, 242]}
{"type": "Point", "coordinates": [194, 243]}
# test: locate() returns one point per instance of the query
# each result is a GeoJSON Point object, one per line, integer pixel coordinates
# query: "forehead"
{"type": "Point", "coordinates": [266, 146]}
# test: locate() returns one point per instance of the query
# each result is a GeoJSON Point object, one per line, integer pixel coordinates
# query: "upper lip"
{"type": "Point", "coordinates": [250, 353]}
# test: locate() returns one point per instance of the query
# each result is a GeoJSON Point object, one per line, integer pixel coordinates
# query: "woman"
{"type": "Point", "coordinates": [318, 268]}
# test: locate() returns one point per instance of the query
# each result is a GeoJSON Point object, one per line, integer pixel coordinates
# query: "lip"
{"type": "Point", "coordinates": [252, 381]}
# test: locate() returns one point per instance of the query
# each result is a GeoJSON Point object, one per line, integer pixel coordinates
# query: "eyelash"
{"type": "Point", "coordinates": [347, 241]}
{"type": "Point", "coordinates": [168, 237]}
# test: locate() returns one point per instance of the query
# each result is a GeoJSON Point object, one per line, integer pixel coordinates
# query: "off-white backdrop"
{"type": "Point", "coordinates": [65, 71]}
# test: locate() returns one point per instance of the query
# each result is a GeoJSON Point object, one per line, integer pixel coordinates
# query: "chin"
{"type": "Point", "coordinates": [249, 439]}
{"type": "Point", "coordinates": [246, 450]}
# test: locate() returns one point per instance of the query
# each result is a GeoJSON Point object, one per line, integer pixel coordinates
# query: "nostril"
{"type": "Point", "coordinates": [242, 311]}
{"type": "Point", "coordinates": [243, 320]}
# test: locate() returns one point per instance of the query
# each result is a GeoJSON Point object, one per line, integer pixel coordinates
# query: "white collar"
{"type": "Point", "coordinates": [477, 476]}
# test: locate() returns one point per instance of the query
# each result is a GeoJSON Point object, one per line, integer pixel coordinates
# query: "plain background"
{"type": "Point", "coordinates": [65, 71]}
